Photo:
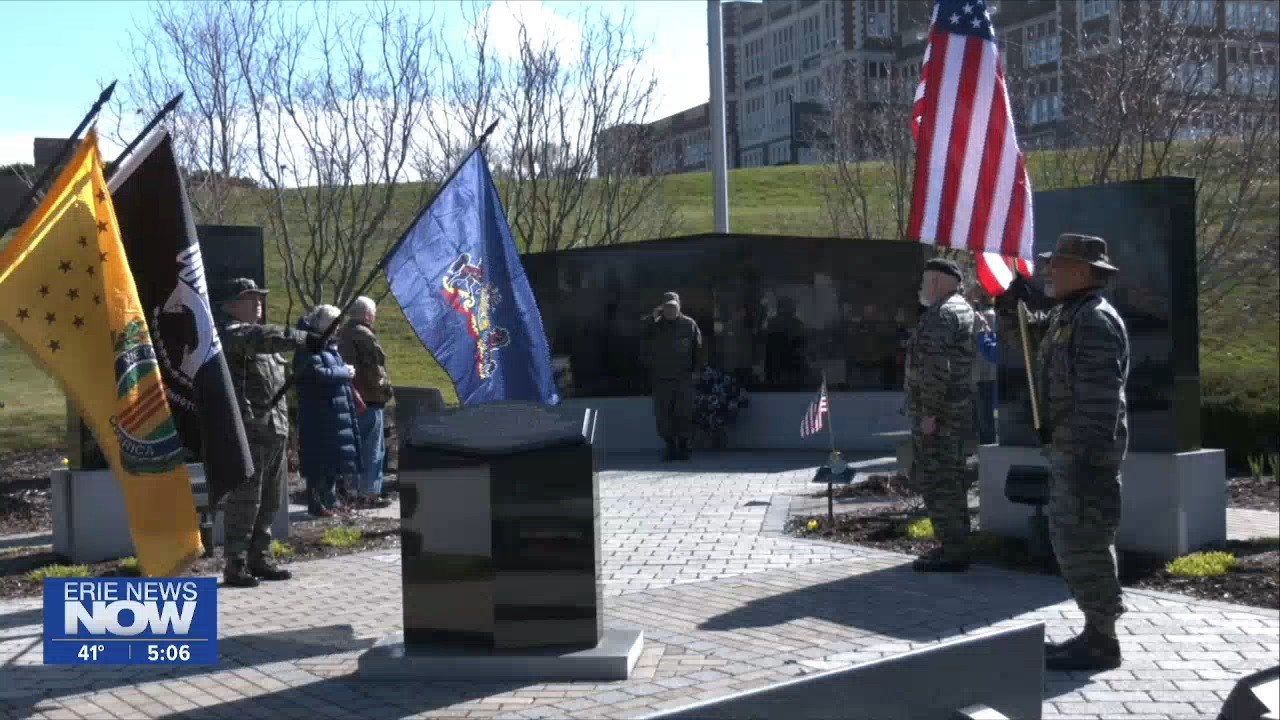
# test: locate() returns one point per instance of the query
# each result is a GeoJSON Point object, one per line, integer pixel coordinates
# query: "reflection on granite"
{"type": "Point", "coordinates": [1149, 226]}
{"type": "Point", "coordinates": [776, 312]}
{"type": "Point", "coordinates": [500, 550]}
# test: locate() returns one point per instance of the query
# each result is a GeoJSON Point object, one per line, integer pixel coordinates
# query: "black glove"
{"type": "Point", "coordinates": [315, 343]}
{"type": "Point", "coordinates": [1046, 437]}
{"type": "Point", "coordinates": [1017, 290]}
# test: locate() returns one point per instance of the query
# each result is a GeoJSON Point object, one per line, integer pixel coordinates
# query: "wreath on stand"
{"type": "Point", "coordinates": [717, 400]}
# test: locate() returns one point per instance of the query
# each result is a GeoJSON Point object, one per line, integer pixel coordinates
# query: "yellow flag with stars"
{"type": "Point", "coordinates": [68, 297]}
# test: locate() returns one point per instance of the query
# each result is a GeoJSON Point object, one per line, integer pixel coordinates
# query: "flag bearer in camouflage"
{"type": "Point", "coordinates": [257, 372]}
{"type": "Point", "coordinates": [1083, 367]}
{"type": "Point", "coordinates": [675, 356]}
{"type": "Point", "coordinates": [939, 390]}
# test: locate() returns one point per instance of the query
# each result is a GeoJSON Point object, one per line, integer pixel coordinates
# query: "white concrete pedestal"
{"type": "Point", "coordinates": [90, 523]}
{"type": "Point", "coordinates": [1172, 503]}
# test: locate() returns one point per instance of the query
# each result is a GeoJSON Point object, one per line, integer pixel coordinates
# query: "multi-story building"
{"type": "Point", "coordinates": [785, 58]}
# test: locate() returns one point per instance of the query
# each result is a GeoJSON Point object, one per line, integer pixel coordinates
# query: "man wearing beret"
{"type": "Point", "coordinates": [939, 390]}
{"type": "Point", "coordinates": [1082, 370]}
{"type": "Point", "coordinates": [257, 372]}
{"type": "Point", "coordinates": [675, 357]}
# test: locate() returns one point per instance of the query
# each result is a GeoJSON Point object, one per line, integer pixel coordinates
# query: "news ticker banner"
{"type": "Point", "coordinates": [130, 621]}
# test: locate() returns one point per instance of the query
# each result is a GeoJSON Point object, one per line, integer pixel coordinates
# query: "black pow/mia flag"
{"type": "Point", "coordinates": [159, 236]}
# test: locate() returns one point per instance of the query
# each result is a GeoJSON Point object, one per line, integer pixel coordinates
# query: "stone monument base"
{"type": "Point", "coordinates": [1172, 503]}
{"type": "Point", "coordinates": [613, 659]}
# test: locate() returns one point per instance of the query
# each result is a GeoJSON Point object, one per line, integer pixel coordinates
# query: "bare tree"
{"type": "Point", "coordinates": [553, 98]}
{"type": "Point", "coordinates": [332, 129]}
{"type": "Point", "coordinates": [191, 48]}
{"type": "Point", "coordinates": [868, 154]}
{"type": "Point", "coordinates": [1152, 102]}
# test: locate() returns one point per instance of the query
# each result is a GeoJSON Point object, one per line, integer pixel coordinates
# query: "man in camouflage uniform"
{"type": "Point", "coordinates": [675, 356]}
{"type": "Point", "coordinates": [258, 373]}
{"type": "Point", "coordinates": [1082, 370]}
{"type": "Point", "coordinates": [939, 390]}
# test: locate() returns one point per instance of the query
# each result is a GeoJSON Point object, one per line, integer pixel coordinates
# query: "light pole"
{"type": "Point", "coordinates": [719, 133]}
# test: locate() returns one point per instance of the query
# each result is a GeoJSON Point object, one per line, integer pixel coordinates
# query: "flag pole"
{"type": "Point", "coordinates": [831, 470]}
{"type": "Point", "coordinates": [164, 111]}
{"type": "Point", "coordinates": [373, 274]}
{"type": "Point", "coordinates": [65, 151]}
{"type": "Point", "coordinates": [1026, 360]}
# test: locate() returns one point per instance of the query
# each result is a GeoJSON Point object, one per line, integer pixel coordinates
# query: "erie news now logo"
{"type": "Point", "coordinates": [130, 621]}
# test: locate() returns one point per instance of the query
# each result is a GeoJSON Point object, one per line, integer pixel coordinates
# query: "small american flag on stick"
{"type": "Point", "coordinates": [812, 422]}
{"type": "Point", "coordinates": [971, 188]}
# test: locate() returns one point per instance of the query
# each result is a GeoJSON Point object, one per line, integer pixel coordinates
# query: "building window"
{"type": "Point", "coordinates": [1251, 72]}
{"type": "Point", "coordinates": [753, 158]}
{"type": "Point", "coordinates": [1093, 9]}
{"type": "Point", "coordinates": [811, 30]}
{"type": "Point", "coordinates": [1196, 78]}
{"type": "Point", "coordinates": [877, 80]}
{"type": "Point", "coordinates": [782, 46]}
{"type": "Point", "coordinates": [779, 153]}
{"type": "Point", "coordinates": [1189, 12]}
{"type": "Point", "coordinates": [812, 88]}
{"type": "Point", "coordinates": [1041, 43]}
{"type": "Point", "coordinates": [755, 57]}
{"type": "Point", "coordinates": [1046, 101]}
{"type": "Point", "coordinates": [1261, 16]}
{"type": "Point", "coordinates": [877, 18]}
{"type": "Point", "coordinates": [829, 23]}
{"type": "Point", "coordinates": [753, 111]}
{"type": "Point", "coordinates": [781, 112]}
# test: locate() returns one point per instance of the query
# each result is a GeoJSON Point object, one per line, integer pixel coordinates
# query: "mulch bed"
{"type": "Point", "coordinates": [1256, 581]}
{"type": "Point", "coordinates": [1254, 493]}
{"type": "Point", "coordinates": [305, 540]}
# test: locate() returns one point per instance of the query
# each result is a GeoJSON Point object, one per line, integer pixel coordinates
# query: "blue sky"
{"type": "Point", "coordinates": [57, 56]}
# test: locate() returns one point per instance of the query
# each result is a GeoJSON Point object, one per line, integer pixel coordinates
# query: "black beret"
{"type": "Point", "coordinates": [946, 267]}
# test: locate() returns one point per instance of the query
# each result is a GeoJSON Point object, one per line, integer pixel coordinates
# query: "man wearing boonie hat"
{"type": "Point", "coordinates": [675, 356]}
{"type": "Point", "coordinates": [939, 390]}
{"type": "Point", "coordinates": [1082, 370]}
{"type": "Point", "coordinates": [257, 373]}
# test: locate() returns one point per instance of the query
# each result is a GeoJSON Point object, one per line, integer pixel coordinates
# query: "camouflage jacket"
{"type": "Point", "coordinates": [1083, 365]}
{"type": "Point", "coordinates": [939, 372]}
{"type": "Point", "coordinates": [359, 346]}
{"type": "Point", "coordinates": [258, 372]}
{"type": "Point", "coordinates": [675, 347]}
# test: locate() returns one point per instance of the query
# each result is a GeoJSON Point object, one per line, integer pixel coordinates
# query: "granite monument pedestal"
{"type": "Point", "coordinates": [500, 549]}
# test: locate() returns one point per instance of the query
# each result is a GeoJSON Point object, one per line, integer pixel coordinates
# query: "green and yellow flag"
{"type": "Point", "coordinates": [67, 296]}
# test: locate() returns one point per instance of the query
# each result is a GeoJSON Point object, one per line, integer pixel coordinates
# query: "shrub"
{"type": "Point", "coordinates": [1240, 412]}
{"type": "Point", "coordinates": [921, 529]}
{"type": "Point", "coordinates": [280, 549]}
{"type": "Point", "coordinates": [58, 571]}
{"type": "Point", "coordinates": [342, 536]}
{"type": "Point", "coordinates": [128, 566]}
{"type": "Point", "coordinates": [1202, 564]}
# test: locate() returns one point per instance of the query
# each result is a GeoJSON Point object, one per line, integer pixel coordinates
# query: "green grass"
{"type": "Point", "coordinates": [784, 200]}
{"type": "Point", "coordinates": [1202, 564]}
{"type": "Point", "coordinates": [57, 571]}
{"type": "Point", "coordinates": [342, 537]}
{"type": "Point", "coordinates": [128, 566]}
{"type": "Point", "coordinates": [281, 549]}
{"type": "Point", "coordinates": [921, 529]}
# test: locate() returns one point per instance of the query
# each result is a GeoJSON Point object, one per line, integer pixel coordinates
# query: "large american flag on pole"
{"type": "Point", "coordinates": [971, 188]}
{"type": "Point", "coordinates": [812, 421]}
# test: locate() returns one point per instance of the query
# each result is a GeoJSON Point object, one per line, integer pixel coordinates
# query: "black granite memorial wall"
{"type": "Point", "coordinates": [1150, 228]}
{"type": "Point", "coordinates": [777, 312]}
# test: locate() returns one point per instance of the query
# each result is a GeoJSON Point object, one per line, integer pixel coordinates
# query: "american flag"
{"type": "Point", "coordinates": [995, 271]}
{"type": "Point", "coordinates": [812, 422]}
{"type": "Point", "coordinates": [971, 188]}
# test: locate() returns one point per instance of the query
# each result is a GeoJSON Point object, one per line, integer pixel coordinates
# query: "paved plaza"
{"type": "Point", "coordinates": [695, 557]}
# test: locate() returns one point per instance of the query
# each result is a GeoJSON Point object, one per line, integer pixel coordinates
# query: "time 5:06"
{"type": "Point", "coordinates": [168, 653]}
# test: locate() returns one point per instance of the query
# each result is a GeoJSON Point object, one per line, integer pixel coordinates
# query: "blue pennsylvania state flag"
{"type": "Point", "coordinates": [459, 279]}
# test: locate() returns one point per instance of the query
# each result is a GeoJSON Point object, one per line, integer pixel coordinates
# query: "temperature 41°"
{"type": "Point", "coordinates": [90, 653]}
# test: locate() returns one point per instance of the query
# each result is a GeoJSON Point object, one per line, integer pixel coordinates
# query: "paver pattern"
{"type": "Point", "coordinates": [694, 556]}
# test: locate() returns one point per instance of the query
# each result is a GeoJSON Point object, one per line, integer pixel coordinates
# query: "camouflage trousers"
{"type": "Point", "coordinates": [938, 474]}
{"type": "Point", "coordinates": [250, 509]}
{"type": "Point", "coordinates": [673, 409]}
{"type": "Point", "coordinates": [1084, 514]}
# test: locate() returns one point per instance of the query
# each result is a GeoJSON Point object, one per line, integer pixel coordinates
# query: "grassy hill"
{"type": "Point", "coordinates": [776, 200]}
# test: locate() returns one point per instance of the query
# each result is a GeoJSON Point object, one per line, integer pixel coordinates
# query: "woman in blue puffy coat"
{"type": "Point", "coordinates": [329, 446]}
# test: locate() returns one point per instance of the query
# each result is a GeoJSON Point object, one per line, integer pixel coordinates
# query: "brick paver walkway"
{"type": "Point", "coordinates": [695, 558]}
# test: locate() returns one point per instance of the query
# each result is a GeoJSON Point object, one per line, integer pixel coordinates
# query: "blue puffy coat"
{"type": "Point", "coordinates": [329, 445]}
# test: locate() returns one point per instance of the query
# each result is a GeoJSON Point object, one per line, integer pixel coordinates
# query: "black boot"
{"type": "Point", "coordinates": [236, 574]}
{"type": "Point", "coordinates": [670, 453]}
{"type": "Point", "coordinates": [683, 451]}
{"type": "Point", "coordinates": [264, 569]}
{"type": "Point", "coordinates": [937, 560]}
{"type": "Point", "coordinates": [1090, 650]}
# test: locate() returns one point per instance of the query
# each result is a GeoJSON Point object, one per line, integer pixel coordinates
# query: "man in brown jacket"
{"type": "Point", "coordinates": [358, 345]}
